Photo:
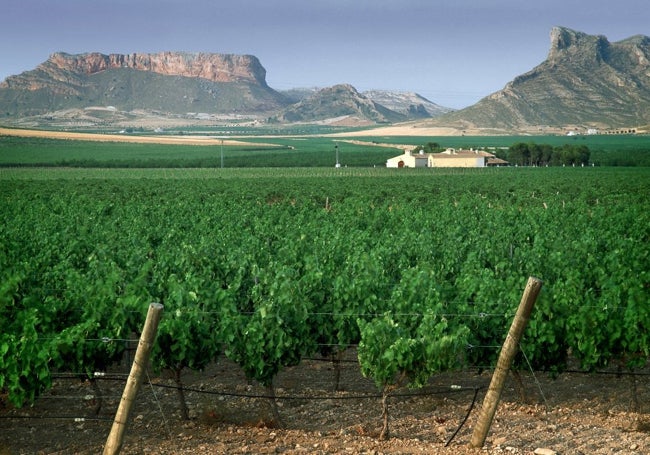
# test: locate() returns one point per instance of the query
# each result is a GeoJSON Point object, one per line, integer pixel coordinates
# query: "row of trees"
{"type": "Point", "coordinates": [532, 154]}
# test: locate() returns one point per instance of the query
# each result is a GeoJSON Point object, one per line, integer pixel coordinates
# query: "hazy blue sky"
{"type": "Point", "coordinates": [453, 52]}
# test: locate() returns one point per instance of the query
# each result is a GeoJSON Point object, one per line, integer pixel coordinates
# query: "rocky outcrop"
{"type": "Point", "coordinates": [68, 68]}
{"type": "Point", "coordinates": [585, 80]}
{"type": "Point", "coordinates": [169, 82]}
{"type": "Point", "coordinates": [566, 42]}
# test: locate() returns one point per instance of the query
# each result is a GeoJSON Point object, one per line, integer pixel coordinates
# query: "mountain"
{"type": "Point", "coordinates": [300, 93]}
{"type": "Point", "coordinates": [585, 80]}
{"type": "Point", "coordinates": [411, 104]}
{"type": "Point", "coordinates": [340, 104]}
{"type": "Point", "coordinates": [172, 82]}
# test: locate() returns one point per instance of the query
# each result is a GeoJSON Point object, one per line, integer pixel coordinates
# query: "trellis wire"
{"type": "Point", "coordinates": [539, 386]}
{"type": "Point", "coordinates": [162, 414]}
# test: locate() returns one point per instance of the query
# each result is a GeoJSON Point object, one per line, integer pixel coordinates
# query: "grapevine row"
{"type": "Point", "coordinates": [270, 270]}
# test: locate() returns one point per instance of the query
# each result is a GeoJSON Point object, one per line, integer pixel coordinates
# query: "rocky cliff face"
{"type": "Point", "coordinates": [173, 82]}
{"type": "Point", "coordinates": [68, 68]}
{"type": "Point", "coordinates": [567, 43]}
{"type": "Point", "coordinates": [584, 80]}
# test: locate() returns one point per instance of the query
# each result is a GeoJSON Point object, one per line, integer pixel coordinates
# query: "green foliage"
{"type": "Point", "coordinates": [532, 154]}
{"type": "Point", "coordinates": [284, 152]}
{"type": "Point", "coordinates": [429, 147]}
{"type": "Point", "coordinates": [275, 334]}
{"type": "Point", "coordinates": [188, 334]}
{"type": "Point", "coordinates": [269, 265]}
{"type": "Point", "coordinates": [392, 354]}
{"type": "Point", "coordinates": [24, 358]}
{"type": "Point", "coordinates": [413, 339]}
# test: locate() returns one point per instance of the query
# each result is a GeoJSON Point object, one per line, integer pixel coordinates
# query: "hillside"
{"type": "Point", "coordinates": [411, 104]}
{"type": "Point", "coordinates": [171, 82]}
{"type": "Point", "coordinates": [585, 80]}
{"type": "Point", "coordinates": [341, 104]}
{"type": "Point", "coordinates": [95, 89]}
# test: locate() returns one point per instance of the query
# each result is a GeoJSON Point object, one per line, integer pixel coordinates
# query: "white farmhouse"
{"type": "Point", "coordinates": [408, 159]}
{"type": "Point", "coordinates": [449, 158]}
{"type": "Point", "coordinates": [459, 158]}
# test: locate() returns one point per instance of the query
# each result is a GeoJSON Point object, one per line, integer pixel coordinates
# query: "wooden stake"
{"type": "Point", "coordinates": [508, 351]}
{"type": "Point", "coordinates": [115, 438]}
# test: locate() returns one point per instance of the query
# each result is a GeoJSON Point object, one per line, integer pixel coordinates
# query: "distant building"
{"type": "Point", "coordinates": [449, 158]}
{"type": "Point", "coordinates": [408, 159]}
{"type": "Point", "coordinates": [459, 158]}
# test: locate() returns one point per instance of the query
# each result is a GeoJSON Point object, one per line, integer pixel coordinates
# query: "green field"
{"type": "Point", "coordinates": [280, 256]}
{"type": "Point", "coordinates": [290, 151]}
{"type": "Point", "coordinates": [271, 265]}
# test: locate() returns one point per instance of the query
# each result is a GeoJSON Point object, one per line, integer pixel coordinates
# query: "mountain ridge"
{"type": "Point", "coordinates": [340, 101]}
{"type": "Point", "coordinates": [411, 104]}
{"type": "Point", "coordinates": [176, 82]}
{"type": "Point", "coordinates": [585, 80]}
{"type": "Point", "coordinates": [211, 66]}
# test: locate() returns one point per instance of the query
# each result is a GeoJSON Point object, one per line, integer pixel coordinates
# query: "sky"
{"type": "Point", "coordinates": [452, 52]}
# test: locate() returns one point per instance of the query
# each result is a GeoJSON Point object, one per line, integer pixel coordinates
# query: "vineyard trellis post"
{"type": "Point", "coordinates": [115, 438]}
{"type": "Point", "coordinates": [508, 351]}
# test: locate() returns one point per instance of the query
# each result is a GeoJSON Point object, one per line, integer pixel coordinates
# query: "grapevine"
{"type": "Point", "coordinates": [270, 269]}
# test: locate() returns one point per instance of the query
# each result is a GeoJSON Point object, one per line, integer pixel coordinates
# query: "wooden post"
{"type": "Point", "coordinates": [508, 351]}
{"type": "Point", "coordinates": [114, 440]}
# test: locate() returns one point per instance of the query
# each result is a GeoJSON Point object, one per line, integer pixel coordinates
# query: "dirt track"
{"type": "Point", "coordinates": [396, 130]}
{"type": "Point", "coordinates": [180, 140]}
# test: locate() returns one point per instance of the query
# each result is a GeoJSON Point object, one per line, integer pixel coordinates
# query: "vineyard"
{"type": "Point", "coordinates": [416, 272]}
{"type": "Point", "coordinates": [258, 150]}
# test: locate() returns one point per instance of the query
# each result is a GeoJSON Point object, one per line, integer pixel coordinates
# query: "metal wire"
{"type": "Point", "coordinates": [162, 414]}
{"type": "Point", "coordinates": [539, 385]}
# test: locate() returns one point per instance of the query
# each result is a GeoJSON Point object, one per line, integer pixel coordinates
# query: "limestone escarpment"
{"type": "Point", "coordinates": [212, 67]}
{"type": "Point", "coordinates": [174, 82]}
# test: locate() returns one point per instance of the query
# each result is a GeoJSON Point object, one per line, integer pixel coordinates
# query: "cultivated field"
{"type": "Point", "coordinates": [271, 277]}
{"type": "Point", "coordinates": [138, 139]}
{"type": "Point", "coordinates": [304, 146]}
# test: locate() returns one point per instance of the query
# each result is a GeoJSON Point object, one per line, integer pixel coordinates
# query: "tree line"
{"type": "Point", "coordinates": [532, 154]}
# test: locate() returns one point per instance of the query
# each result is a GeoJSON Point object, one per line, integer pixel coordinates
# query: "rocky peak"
{"type": "Point", "coordinates": [638, 47]}
{"type": "Point", "coordinates": [570, 43]}
{"type": "Point", "coordinates": [562, 38]}
{"type": "Point", "coordinates": [168, 82]}
{"type": "Point", "coordinates": [586, 80]}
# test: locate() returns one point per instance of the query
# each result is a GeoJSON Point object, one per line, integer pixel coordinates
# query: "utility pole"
{"type": "Point", "coordinates": [222, 138]}
{"type": "Point", "coordinates": [336, 147]}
